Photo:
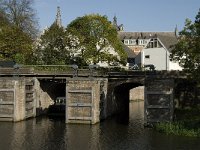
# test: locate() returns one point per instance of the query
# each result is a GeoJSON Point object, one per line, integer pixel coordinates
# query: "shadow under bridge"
{"type": "Point", "coordinates": [54, 91]}
{"type": "Point", "coordinates": [120, 98]}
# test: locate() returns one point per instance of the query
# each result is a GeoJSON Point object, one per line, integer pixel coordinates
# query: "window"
{"type": "Point", "coordinates": [147, 56]}
{"type": "Point", "coordinates": [126, 42]}
{"type": "Point", "coordinates": [154, 43]}
{"type": "Point", "coordinates": [132, 42]}
{"type": "Point", "coordinates": [141, 42]}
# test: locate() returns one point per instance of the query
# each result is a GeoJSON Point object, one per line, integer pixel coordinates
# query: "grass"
{"type": "Point", "coordinates": [186, 123]}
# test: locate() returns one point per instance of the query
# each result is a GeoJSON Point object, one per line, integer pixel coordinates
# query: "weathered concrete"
{"type": "Point", "coordinates": [7, 99]}
{"type": "Point", "coordinates": [43, 99]}
{"type": "Point", "coordinates": [159, 102]}
{"type": "Point", "coordinates": [22, 98]}
{"type": "Point", "coordinates": [137, 93]}
{"type": "Point", "coordinates": [83, 98]}
{"type": "Point", "coordinates": [16, 99]}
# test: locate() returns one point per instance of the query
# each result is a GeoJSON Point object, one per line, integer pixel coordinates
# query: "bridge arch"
{"type": "Point", "coordinates": [54, 87]}
{"type": "Point", "coordinates": [119, 97]}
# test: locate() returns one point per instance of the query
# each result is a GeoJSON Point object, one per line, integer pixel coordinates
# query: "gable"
{"type": "Point", "coordinates": [154, 43]}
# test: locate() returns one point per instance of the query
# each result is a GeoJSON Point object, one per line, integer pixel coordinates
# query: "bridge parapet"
{"type": "Point", "coordinates": [72, 71]}
{"type": "Point", "coordinates": [16, 71]}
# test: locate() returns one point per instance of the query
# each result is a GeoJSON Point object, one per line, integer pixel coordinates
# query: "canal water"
{"type": "Point", "coordinates": [45, 133]}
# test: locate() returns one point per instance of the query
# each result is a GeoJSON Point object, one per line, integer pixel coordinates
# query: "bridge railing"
{"type": "Point", "coordinates": [74, 70]}
{"type": "Point", "coordinates": [91, 70]}
{"type": "Point", "coordinates": [16, 71]}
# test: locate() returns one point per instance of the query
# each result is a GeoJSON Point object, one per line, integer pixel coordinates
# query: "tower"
{"type": "Point", "coordinates": [58, 17]}
{"type": "Point", "coordinates": [118, 28]}
{"type": "Point", "coordinates": [115, 20]}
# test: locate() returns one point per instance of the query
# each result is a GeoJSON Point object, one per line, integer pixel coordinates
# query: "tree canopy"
{"type": "Point", "coordinates": [98, 39]}
{"type": "Point", "coordinates": [21, 14]}
{"type": "Point", "coordinates": [187, 50]}
{"type": "Point", "coordinates": [51, 47]}
{"type": "Point", "coordinates": [3, 19]}
{"type": "Point", "coordinates": [15, 42]}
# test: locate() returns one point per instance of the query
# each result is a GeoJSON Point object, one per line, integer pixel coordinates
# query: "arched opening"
{"type": "Point", "coordinates": [53, 96]}
{"type": "Point", "coordinates": [122, 100]}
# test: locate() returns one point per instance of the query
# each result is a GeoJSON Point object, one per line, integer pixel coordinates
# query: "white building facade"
{"type": "Point", "coordinates": [151, 48]}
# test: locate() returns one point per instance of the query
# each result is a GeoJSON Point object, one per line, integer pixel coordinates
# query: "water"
{"type": "Point", "coordinates": [53, 134]}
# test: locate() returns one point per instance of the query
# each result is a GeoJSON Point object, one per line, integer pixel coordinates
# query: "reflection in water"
{"type": "Point", "coordinates": [53, 134]}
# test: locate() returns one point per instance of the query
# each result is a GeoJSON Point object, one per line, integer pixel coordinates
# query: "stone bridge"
{"type": "Point", "coordinates": [26, 93]}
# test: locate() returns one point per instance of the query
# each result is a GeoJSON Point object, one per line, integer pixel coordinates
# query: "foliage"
{"type": "Point", "coordinates": [187, 50]}
{"type": "Point", "coordinates": [187, 123]}
{"type": "Point", "coordinates": [21, 14]}
{"type": "Point", "coordinates": [186, 93]}
{"type": "Point", "coordinates": [14, 44]}
{"type": "Point", "coordinates": [55, 47]}
{"type": "Point", "coordinates": [16, 22]}
{"type": "Point", "coordinates": [97, 38]}
{"type": "Point", "coordinates": [177, 128]}
{"type": "Point", "coordinates": [74, 49]}
{"type": "Point", "coordinates": [3, 19]}
{"type": "Point", "coordinates": [52, 47]}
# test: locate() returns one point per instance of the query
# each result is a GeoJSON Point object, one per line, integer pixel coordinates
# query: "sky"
{"type": "Point", "coordinates": [135, 15]}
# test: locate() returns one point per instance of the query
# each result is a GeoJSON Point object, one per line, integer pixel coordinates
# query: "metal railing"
{"type": "Point", "coordinates": [75, 71]}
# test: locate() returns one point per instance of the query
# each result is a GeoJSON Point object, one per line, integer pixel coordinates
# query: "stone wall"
{"type": "Point", "coordinates": [137, 93]}
{"type": "Point", "coordinates": [43, 100]}
{"type": "Point", "coordinates": [159, 102]}
{"type": "Point", "coordinates": [19, 113]}
{"type": "Point", "coordinates": [83, 96]}
{"type": "Point", "coordinates": [22, 98]}
{"type": "Point", "coordinates": [13, 104]}
{"type": "Point", "coordinates": [7, 99]}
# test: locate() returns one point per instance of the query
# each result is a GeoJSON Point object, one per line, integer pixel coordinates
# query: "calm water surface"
{"type": "Point", "coordinates": [53, 134]}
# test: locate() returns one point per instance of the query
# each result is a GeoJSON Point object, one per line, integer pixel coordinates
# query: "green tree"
{"type": "Point", "coordinates": [51, 47]}
{"type": "Point", "coordinates": [15, 38]}
{"type": "Point", "coordinates": [98, 39]}
{"type": "Point", "coordinates": [3, 19]}
{"type": "Point", "coordinates": [21, 14]}
{"type": "Point", "coordinates": [187, 50]}
{"type": "Point", "coordinates": [14, 44]}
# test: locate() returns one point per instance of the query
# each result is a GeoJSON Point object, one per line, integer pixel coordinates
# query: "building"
{"type": "Point", "coordinates": [150, 48]}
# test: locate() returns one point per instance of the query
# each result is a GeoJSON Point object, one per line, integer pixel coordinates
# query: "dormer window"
{"type": "Point", "coordinates": [126, 42]}
{"type": "Point", "coordinates": [141, 42]}
{"type": "Point", "coordinates": [132, 42]}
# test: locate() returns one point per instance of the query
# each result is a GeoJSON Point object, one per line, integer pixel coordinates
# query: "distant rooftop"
{"type": "Point", "coordinates": [167, 38]}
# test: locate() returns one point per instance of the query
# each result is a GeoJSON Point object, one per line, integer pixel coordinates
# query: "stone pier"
{"type": "Point", "coordinates": [22, 98]}
{"type": "Point", "coordinates": [159, 101]}
{"type": "Point", "coordinates": [17, 101]}
{"type": "Point", "coordinates": [84, 103]}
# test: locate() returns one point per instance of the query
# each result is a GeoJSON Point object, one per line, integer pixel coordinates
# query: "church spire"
{"type": "Point", "coordinates": [115, 21]}
{"type": "Point", "coordinates": [58, 17]}
{"type": "Point", "coordinates": [118, 28]}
